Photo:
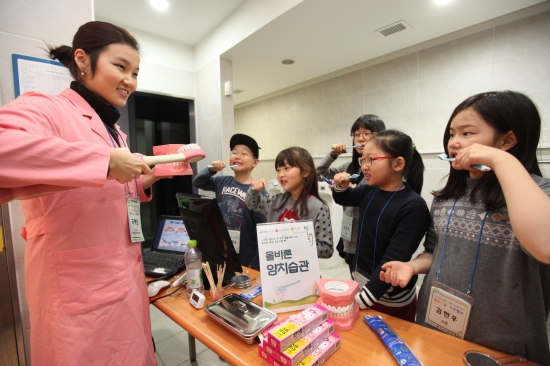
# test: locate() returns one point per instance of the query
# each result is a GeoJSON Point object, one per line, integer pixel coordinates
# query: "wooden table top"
{"type": "Point", "coordinates": [359, 346]}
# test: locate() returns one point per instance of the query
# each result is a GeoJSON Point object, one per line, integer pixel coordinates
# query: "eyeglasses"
{"type": "Point", "coordinates": [358, 135]}
{"type": "Point", "coordinates": [368, 161]}
{"type": "Point", "coordinates": [243, 154]}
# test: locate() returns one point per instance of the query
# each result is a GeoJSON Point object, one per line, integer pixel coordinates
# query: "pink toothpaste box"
{"type": "Point", "coordinates": [296, 326]}
{"type": "Point", "coordinates": [263, 354]}
{"type": "Point", "coordinates": [322, 352]}
{"type": "Point", "coordinates": [303, 347]}
{"type": "Point", "coordinates": [271, 351]}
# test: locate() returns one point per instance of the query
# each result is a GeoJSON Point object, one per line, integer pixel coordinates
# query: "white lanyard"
{"type": "Point", "coordinates": [132, 204]}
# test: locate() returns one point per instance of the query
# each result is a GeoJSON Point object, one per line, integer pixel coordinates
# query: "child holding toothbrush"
{"type": "Point", "coordinates": [231, 192]}
{"type": "Point", "coordinates": [489, 239]}
{"type": "Point", "coordinates": [300, 201]}
{"type": "Point", "coordinates": [393, 221]}
{"type": "Point", "coordinates": [362, 130]}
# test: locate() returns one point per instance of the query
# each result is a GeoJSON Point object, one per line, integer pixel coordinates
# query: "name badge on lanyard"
{"type": "Point", "coordinates": [134, 219]}
{"type": "Point", "coordinates": [449, 310]}
{"type": "Point", "coordinates": [236, 239]}
{"type": "Point", "coordinates": [134, 214]}
{"type": "Point", "coordinates": [347, 222]}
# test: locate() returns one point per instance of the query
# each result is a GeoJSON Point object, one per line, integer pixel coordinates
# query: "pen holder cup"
{"type": "Point", "coordinates": [215, 294]}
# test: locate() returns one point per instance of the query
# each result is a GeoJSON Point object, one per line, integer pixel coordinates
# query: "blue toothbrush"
{"type": "Point", "coordinates": [274, 184]}
{"type": "Point", "coordinates": [327, 180]}
{"type": "Point", "coordinates": [353, 176]}
{"type": "Point", "coordinates": [350, 147]}
{"type": "Point", "coordinates": [483, 168]}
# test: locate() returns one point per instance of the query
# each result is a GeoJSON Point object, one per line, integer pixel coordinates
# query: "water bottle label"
{"type": "Point", "coordinates": [194, 278]}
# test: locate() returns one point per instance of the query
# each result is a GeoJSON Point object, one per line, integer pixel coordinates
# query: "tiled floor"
{"type": "Point", "coordinates": [171, 339]}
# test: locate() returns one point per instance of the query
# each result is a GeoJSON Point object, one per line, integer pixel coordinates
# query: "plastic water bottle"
{"type": "Point", "coordinates": [193, 263]}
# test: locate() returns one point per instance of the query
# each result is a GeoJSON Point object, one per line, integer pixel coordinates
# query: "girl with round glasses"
{"type": "Point", "coordinates": [393, 219]}
{"type": "Point", "coordinates": [362, 130]}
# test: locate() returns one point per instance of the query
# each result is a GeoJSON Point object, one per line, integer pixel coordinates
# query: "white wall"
{"type": "Point", "coordinates": [167, 67]}
{"type": "Point", "coordinates": [415, 93]}
{"type": "Point", "coordinates": [24, 26]}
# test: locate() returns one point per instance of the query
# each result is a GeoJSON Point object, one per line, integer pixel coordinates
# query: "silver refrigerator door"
{"type": "Point", "coordinates": [12, 352]}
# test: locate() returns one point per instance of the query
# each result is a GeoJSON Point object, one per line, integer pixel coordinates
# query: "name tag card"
{"type": "Point", "coordinates": [289, 265]}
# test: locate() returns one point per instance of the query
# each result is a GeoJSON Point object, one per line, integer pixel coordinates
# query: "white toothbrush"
{"type": "Point", "coordinates": [483, 168]}
{"type": "Point", "coordinates": [353, 176]}
{"type": "Point", "coordinates": [274, 184]}
{"type": "Point", "coordinates": [231, 166]}
{"type": "Point", "coordinates": [350, 147]}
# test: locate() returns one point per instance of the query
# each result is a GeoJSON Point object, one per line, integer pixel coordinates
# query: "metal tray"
{"type": "Point", "coordinates": [241, 317]}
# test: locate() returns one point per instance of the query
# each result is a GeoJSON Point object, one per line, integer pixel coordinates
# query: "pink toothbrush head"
{"type": "Point", "coordinates": [192, 152]}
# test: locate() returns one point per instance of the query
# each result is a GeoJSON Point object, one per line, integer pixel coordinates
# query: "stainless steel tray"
{"type": "Point", "coordinates": [241, 317]}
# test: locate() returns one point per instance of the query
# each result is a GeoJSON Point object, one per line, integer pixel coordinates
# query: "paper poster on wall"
{"type": "Point", "coordinates": [41, 75]}
{"type": "Point", "coordinates": [288, 264]}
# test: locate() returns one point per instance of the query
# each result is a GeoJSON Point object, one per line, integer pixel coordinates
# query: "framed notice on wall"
{"type": "Point", "coordinates": [41, 75]}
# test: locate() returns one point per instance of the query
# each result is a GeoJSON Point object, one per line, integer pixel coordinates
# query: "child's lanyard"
{"type": "Point", "coordinates": [376, 232]}
{"type": "Point", "coordinates": [448, 309]}
{"type": "Point", "coordinates": [445, 244]}
{"type": "Point", "coordinates": [235, 235]}
{"type": "Point", "coordinates": [132, 204]}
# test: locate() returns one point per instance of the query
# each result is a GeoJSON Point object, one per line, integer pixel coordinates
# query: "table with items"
{"type": "Point", "coordinates": [360, 345]}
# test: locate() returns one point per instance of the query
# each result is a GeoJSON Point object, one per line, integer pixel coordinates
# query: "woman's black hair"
{"type": "Point", "coordinates": [299, 157]}
{"type": "Point", "coordinates": [93, 38]}
{"type": "Point", "coordinates": [398, 144]}
{"type": "Point", "coordinates": [504, 111]}
{"type": "Point", "coordinates": [368, 122]}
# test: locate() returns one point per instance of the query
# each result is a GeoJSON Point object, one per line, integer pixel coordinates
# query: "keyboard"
{"type": "Point", "coordinates": [164, 260]}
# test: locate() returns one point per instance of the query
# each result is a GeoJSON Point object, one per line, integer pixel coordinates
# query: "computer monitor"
{"type": "Point", "coordinates": [204, 222]}
{"type": "Point", "coordinates": [171, 236]}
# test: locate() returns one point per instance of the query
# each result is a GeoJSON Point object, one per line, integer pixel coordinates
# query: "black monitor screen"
{"type": "Point", "coordinates": [204, 222]}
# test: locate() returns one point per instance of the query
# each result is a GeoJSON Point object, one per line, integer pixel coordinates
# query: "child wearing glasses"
{"type": "Point", "coordinates": [300, 201]}
{"type": "Point", "coordinates": [362, 130]}
{"type": "Point", "coordinates": [393, 219]}
{"type": "Point", "coordinates": [489, 242]}
{"type": "Point", "coordinates": [231, 192]}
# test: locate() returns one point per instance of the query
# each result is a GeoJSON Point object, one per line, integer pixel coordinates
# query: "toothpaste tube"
{"type": "Point", "coordinates": [322, 352]}
{"type": "Point", "coordinates": [397, 347]}
{"type": "Point", "coordinates": [252, 293]}
{"type": "Point", "coordinates": [296, 326]}
{"type": "Point", "coordinates": [303, 347]}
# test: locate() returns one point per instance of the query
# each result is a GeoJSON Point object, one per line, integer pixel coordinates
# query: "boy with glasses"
{"type": "Point", "coordinates": [231, 194]}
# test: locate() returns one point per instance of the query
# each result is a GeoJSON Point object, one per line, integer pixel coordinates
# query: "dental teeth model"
{"type": "Point", "coordinates": [174, 159]}
{"type": "Point", "coordinates": [338, 297]}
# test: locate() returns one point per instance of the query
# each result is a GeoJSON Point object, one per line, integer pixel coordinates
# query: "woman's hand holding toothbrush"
{"type": "Point", "coordinates": [125, 166]}
{"type": "Point", "coordinates": [216, 166]}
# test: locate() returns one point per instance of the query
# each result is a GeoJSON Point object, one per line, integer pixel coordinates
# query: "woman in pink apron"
{"type": "Point", "coordinates": [67, 160]}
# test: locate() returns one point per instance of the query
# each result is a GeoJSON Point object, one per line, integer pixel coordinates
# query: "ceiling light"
{"type": "Point", "coordinates": [442, 1]}
{"type": "Point", "coordinates": [159, 4]}
{"type": "Point", "coordinates": [287, 61]}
